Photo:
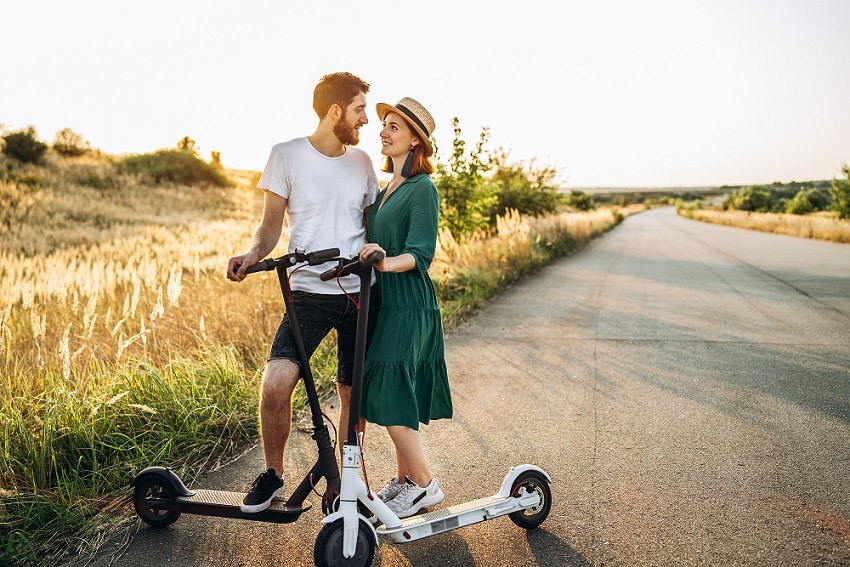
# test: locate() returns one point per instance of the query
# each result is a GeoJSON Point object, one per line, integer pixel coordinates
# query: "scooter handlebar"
{"type": "Point", "coordinates": [312, 258]}
{"type": "Point", "coordinates": [322, 256]}
{"type": "Point", "coordinates": [349, 267]}
{"type": "Point", "coordinates": [261, 266]}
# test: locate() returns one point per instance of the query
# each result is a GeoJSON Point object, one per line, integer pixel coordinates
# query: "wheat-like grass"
{"type": "Point", "coordinates": [132, 347]}
{"type": "Point", "coordinates": [818, 225]}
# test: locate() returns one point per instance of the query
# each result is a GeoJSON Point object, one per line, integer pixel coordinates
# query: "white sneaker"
{"type": "Point", "coordinates": [385, 494]}
{"type": "Point", "coordinates": [411, 498]}
{"type": "Point", "coordinates": [390, 489]}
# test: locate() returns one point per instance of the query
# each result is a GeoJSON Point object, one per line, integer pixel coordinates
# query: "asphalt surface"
{"type": "Point", "coordinates": [686, 385]}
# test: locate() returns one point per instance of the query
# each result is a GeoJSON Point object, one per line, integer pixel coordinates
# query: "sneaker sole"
{"type": "Point", "coordinates": [254, 508]}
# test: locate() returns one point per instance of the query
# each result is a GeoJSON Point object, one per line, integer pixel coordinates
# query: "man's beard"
{"type": "Point", "coordinates": [346, 134]}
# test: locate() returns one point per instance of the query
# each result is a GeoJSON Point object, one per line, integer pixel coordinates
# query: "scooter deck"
{"type": "Point", "coordinates": [226, 504]}
{"type": "Point", "coordinates": [451, 517]}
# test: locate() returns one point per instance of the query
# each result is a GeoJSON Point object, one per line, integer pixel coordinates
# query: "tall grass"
{"type": "Point", "coordinates": [131, 348]}
{"type": "Point", "coordinates": [820, 226]}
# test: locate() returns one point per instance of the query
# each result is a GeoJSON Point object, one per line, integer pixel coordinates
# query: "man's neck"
{"type": "Point", "coordinates": [326, 143]}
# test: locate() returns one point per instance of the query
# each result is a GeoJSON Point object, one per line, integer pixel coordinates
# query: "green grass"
{"type": "Point", "coordinates": [64, 457]}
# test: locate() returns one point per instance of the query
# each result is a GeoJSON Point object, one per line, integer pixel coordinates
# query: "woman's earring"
{"type": "Point", "coordinates": [408, 163]}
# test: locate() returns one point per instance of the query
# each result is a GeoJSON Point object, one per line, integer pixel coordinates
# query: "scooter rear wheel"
{"type": "Point", "coordinates": [153, 486]}
{"type": "Point", "coordinates": [531, 518]}
{"type": "Point", "coordinates": [327, 552]}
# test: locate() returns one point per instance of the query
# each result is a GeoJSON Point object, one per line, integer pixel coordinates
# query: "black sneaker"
{"type": "Point", "coordinates": [265, 488]}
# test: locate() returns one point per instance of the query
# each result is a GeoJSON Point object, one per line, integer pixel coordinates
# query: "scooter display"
{"type": "Point", "coordinates": [348, 537]}
{"type": "Point", "coordinates": [160, 497]}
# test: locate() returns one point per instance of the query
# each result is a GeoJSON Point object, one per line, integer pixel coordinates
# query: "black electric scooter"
{"type": "Point", "coordinates": [160, 497]}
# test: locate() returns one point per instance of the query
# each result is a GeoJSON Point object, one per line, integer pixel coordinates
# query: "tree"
{"type": "Point", "coordinates": [840, 193]}
{"type": "Point", "coordinates": [465, 198]}
{"type": "Point", "coordinates": [69, 143]}
{"type": "Point", "coordinates": [24, 146]}
{"type": "Point", "coordinates": [807, 201]}
{"type": "Point", "coordinates": [187, 144]}
{"type": "Point", "coordinates": [580, 200]}
{"type": "Point", "coordinates": [527, 189]}
{"type": "Point", "coordinates": [749, 199]}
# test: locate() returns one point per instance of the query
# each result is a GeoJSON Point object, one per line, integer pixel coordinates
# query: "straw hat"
{"type": "Point", "coordinates": [415, 115]}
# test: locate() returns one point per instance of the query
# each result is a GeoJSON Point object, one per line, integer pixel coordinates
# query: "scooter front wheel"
{"type": "Point", "coordinates": [327, 551]}
{"type": "Point", "coordinates": [533, 482]}
{"type": "Point", "coordinates": [154, 487]}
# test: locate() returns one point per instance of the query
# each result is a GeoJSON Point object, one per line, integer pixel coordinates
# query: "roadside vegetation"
{"type": "Point", "coordinates": [122, 345]}
{"type": "Point", "coordinates": [815, 209]}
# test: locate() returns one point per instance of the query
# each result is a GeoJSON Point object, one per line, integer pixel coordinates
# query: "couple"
{"type": "Point", "coordinates": [330, 194]}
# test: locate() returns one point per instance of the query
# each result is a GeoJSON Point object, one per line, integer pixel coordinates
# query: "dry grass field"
{"type": "Point", "coordinates": [123, 344]}
{"type": "Point", "coordinates": [821, 226]}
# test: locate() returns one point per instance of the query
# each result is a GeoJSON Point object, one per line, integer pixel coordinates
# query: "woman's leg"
{"type": "Point", "coordinates": [410, 455]}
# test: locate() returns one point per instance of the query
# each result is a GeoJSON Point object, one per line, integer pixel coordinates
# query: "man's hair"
{"type": "Point", "coordinates": [337, 88]}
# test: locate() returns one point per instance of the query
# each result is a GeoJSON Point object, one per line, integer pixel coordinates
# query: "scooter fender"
{"type": "Point", "coordinates": [166, 475]}
{"type": "Point", "coordinates": [331, 518]}
{"type": "Point", "coordinates": [513, 474]}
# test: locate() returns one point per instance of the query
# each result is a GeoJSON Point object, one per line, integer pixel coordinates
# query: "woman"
{"type": "Point", "coordinates": [405, 381]}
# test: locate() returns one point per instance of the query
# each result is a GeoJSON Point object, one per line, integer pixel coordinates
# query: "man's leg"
{"type": "Point", "coordinates": [344, 393]}
{"type": "Point", "coordinates": [279, 380]}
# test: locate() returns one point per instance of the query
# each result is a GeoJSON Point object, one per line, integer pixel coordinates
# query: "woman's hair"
{"type": "Point", "coordinates": [421, 162]}
{"type": "Point", "coordinates": [339, 89]}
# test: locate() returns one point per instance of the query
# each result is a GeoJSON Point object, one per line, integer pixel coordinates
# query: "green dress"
{"type": "Point", "coordinates": [405, 380]}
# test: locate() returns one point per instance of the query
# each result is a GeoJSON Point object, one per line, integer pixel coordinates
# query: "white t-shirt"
{"type": "Point", "coordinates": [326, 198]}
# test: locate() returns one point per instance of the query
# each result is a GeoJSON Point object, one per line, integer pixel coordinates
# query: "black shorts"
{"type": "Point", "coordinates": [317, 314]}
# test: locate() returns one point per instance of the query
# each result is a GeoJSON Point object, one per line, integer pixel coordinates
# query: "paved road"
{"type": "Point", "coordinates": [686, 385]}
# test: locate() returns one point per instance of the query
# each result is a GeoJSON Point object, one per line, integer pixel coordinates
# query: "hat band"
{"type": "Point", "coordinates": [407, 112]}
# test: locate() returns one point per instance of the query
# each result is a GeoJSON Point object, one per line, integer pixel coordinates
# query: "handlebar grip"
{"type": "Point", "coordinates": [372, 258]}
{"type": "Point", "coordinates": [329, 274]}
{"type": "Point", "coordinates": [261, 266]}
{"type": "Point", "coordinates": [322, 256]}
{"type": "Point", "coordinates": [346, 269]}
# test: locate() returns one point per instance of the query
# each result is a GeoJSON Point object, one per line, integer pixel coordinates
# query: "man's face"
{"type": "Point", "coordinates": [347, 128]}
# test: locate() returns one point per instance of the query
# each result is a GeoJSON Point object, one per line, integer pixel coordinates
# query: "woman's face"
{"type": "Point", "coordinates": [396, 136]}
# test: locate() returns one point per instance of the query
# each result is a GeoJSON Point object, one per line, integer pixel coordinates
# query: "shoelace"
{"type": "Point", "coordinates": [404, 491]}
{"type": "Point", "coordinates": [262, 481]}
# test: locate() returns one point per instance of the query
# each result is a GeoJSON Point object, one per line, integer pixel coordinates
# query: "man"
{"type": "Point", "coordinates": [323, 186]}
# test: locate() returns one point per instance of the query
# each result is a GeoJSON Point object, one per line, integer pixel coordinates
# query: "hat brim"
{"type": "Point", "coordinates": [384, 109]}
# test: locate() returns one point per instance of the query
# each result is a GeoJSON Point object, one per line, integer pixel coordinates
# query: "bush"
{"type": "Point", "coordinates": [24, 146]}
{"type": "Point", "coordinates": [69, 143]}
{"type": "Point", "coordinates": [527, 190]}
{"type": "Point", "coordinates": [840, 193]}
{"type": "Point", "coordinates": [807, 201]}
{"type": "Point", "coordinates": [749, 199]}
{"type": "Point", "coordinates": [580, 200]}
{"type": "Point", "coordinates": [175, 166]}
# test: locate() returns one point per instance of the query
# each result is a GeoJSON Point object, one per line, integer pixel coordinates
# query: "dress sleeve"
{"type": "Point", "coordinates": [421, 240]}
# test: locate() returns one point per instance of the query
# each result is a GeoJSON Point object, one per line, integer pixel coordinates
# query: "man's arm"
{"type": "Point", "coordinates": [266, 237]}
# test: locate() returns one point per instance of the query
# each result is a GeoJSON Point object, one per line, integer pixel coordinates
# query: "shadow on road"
{"type": "Point", "coordinates": [549, 550]}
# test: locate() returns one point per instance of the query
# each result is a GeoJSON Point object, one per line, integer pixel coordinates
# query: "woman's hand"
{"type": "Point", "coordinates": [370, 248]}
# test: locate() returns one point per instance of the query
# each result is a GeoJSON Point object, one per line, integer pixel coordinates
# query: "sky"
{"type": "Point", "coordinates": [626, 93]}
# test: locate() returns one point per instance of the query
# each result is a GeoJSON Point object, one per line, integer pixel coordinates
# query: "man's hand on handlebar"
{"type": "Point", "coordinates": [237, 265]}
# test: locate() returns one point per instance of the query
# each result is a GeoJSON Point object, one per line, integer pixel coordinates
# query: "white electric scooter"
{"type": "Point", "coordinates": [348, 537]}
